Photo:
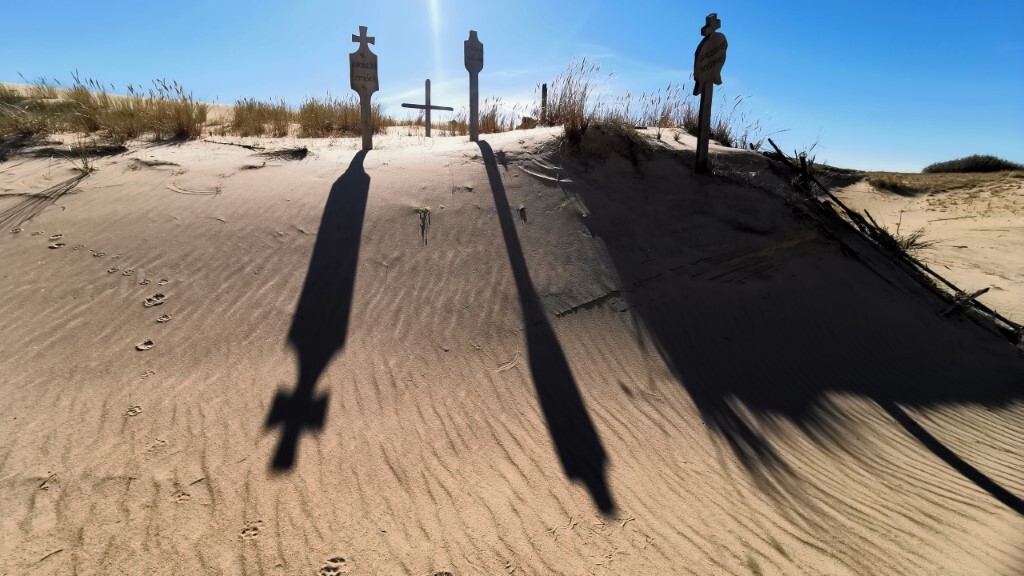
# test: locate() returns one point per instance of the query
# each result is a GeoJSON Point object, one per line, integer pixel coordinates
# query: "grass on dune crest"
{"type": "Point", "coordinates": [576, 101]}
{"type": "Point", "coordinates": [252, 117]}
{"type": "Point", "coordinates": [165, 111]}
{"type": "Point", "coordinates": [933, 183]}
{"type": "Point", "coordinates": [333, 116]}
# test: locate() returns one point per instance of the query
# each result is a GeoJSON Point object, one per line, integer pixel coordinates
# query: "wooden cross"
{"type": "Point", "coordinates": [426, 107]}
{"type": "Point", "coordinates": [363, 39]}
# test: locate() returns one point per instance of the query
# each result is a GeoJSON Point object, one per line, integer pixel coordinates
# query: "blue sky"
{"type": "Point", "coordinates": [881, 85]}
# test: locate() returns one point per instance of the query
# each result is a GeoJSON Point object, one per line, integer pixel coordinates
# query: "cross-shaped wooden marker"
{"type": "Point", "coordinates": [363, 77]}
{"type": "Point", "coordinates": [363, 39]}
{"type": "Point", "coordinates": [426, 107]}
{"type": "Point", "coordinates": [707, 71]}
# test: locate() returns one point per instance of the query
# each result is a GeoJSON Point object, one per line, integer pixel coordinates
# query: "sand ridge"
{"type": "Point", "coordinates": [616, 367]}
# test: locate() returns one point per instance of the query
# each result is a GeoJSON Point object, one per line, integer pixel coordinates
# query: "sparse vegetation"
{"type": "Point", "coordinates": [575, 104]}
{"type": "Point", "coordinates": [973, 163]}
{"type": "Point", "coordinates": [333, 116]}
{"type": "Point", "coordinates": [933, 183]}
{"type": "Point", "coordinates": [735, 129]}
{"type": "Point", "coordinates": [911, 242]}
{"type": "Point", "coordinates": [252, 117]}
{"type": "Point", "coordinates": [569, 100]}
{"type": "Point", "coordinates": [494, 117]}
{"type": "Point", "coordinates": [167, 110]}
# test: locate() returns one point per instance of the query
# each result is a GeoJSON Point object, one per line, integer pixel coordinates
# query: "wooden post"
{"type": "Point", "coordinates": [707, 71]}
{"type": "Point", "coordinates": [474, 59]}
{"type": "Point", "coordinates": [543, 104]}
{"type": "Point", "coordinates": [363, 76]}
{"type": "Point", "coordinates": [704, 128]}
{"type": "Point", "coordinates": [426, 107]}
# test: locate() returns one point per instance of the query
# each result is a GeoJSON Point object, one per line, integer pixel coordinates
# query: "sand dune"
{"type": "Point", "coordinates": [977, 231]}
{"type": "Point", "coordinates": [563, 367]}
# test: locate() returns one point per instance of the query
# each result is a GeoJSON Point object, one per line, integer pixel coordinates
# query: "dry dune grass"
{"type": "Point", "coordinates": [252, 117]}
{"type": "Point", "coordinates": [938, 182]}
{"type": "Point", "coordinates": [166, 111]}
{"type": "Point", "coordinates": [576, 101]}
{"type": "Point", "coordinates": [333, 116]}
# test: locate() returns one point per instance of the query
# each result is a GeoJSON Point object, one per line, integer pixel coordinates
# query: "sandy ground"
{"type": "Point", "coordinates": [978, 234]}
{"type": "Point", "coordinates": [609, 367]}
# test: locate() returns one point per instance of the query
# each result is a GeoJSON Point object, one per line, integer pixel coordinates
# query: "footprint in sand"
{"type": "Point", "coordinates": [180, 497]}
{"type": "Point", "coordinates": [16, 230]}
{"type": "Point", "coordinates": [37, 232]}
{"type": "Point", "coordinates": [116, 256]}
{"type": "Point", "coordinates": [144, 282]}
{"type": "Point", "coordinates": [154, 300]}
{"type": "Point", "coordinates": [333, 567]}
{"type": "Point", "coordinates": [158, 444]}
{"type": "Point", "coordinates": [133, 411]}
{"type": "Point", "coordinates": [164, 318]}
{"type": "Point", "coordinates": [112, 269]}
{"type": "Point", "coordinates": [56, 245]}
{"type": "Point", "coordinates": [148, 373]}
{"type": "Point", "coordinates": [56, 237]}
{"type": "Point", "coordinates": [163, 281]}
{"type": "Point", "coordinates": [96, 254]}
{"type": "Point", "coordinates": [251, 530]}
{"type": "Point", "coordinates": [128, 272]}
{"type": "Point", "coordinates": [79, 247]}
{"type": "Point", "coordinates": [144, 345]}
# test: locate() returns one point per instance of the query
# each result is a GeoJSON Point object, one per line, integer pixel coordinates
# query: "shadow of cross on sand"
{"type": "Point", "coordinates": [320, 323]}
{"type": "Point", "coordinates": [576, 441]}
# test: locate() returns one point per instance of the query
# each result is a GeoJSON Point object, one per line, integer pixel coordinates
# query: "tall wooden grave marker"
{"type": "Point", "coordinates": [363, 71]}
{"type": "Point", "coordinates": [426, 107]}
{"type": "Point", "coordinates": [707, 71]}
{"type": "Point", "coordinates": [474, 54]}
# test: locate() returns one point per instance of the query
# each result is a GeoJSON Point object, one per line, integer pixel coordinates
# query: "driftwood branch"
{"type": "Point", "coordinates": [963, 300]}
{"type": "Point", "coordinates": [247, 146]}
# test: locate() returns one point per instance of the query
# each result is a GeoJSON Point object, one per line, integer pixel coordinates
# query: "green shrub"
{"type": "Point", "coordinates": [973, 163]}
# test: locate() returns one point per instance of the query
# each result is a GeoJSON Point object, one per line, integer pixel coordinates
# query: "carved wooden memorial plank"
{"type": "Point", "coordinates": [708, 61]}
{"type": "Point", "coordinates": [363, 74]}
{"type": "Point", "coordinates": [474, 56]}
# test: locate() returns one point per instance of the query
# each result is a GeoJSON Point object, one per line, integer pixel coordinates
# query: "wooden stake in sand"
{"type": "Point", "coordinates": [543, 104]}
{"type": "Point", "coordinates": [363, 71]}
{"type": "Point", "coordinates": [426, 107]}
{"type": "Point", "coordinates": [474, 56]}
{"type": "Point", "coordinates": [707, 71]}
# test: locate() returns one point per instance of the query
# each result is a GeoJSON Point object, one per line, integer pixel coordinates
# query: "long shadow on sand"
{"type": "Point", "coordinates": [774, 329]}
{"type": "Point", "coordinates": [576, 441]}
{"type": "Point", "coordinates": [320, 323]}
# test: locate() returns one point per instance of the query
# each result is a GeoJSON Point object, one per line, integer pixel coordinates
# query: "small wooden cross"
{"type": "Point", "coordinates": [426, 107]}
{"type": "Point", "coordinates": [711, 23]}
{"type": "Point", "coordinates": [363, 39]}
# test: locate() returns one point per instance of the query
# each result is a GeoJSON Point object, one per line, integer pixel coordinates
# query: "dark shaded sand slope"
{"type": "Point", "coordinates": [607, 367]}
